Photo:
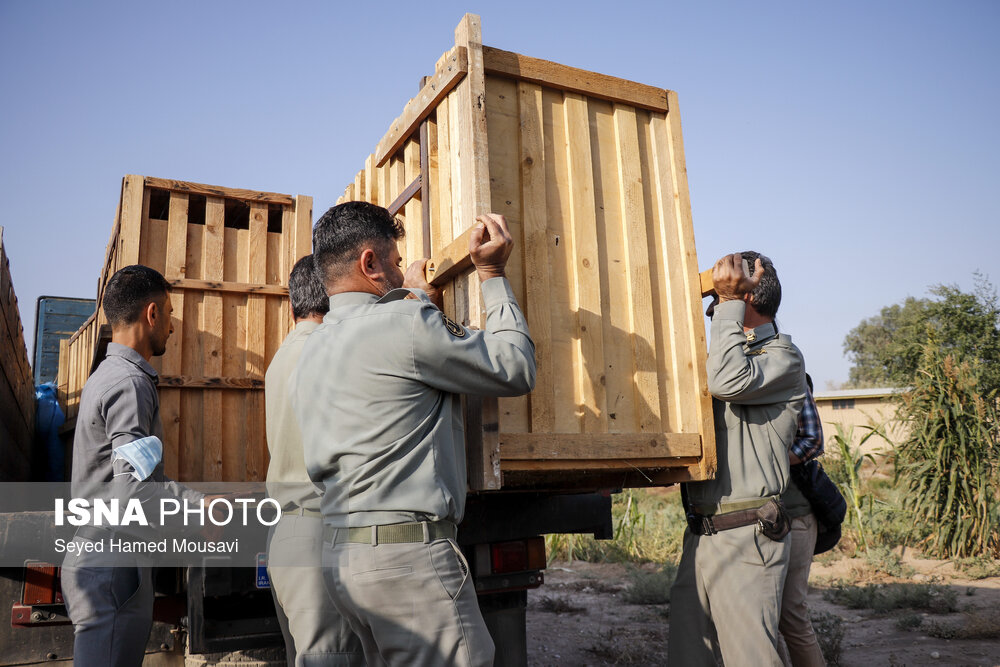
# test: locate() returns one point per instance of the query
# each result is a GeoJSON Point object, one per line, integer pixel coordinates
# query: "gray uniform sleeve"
{"type": "Point", "coordinates": [128, 410]}
{"type": "Point", "coordinates": [738, 377]}
{"type": "Point", "coordinates": [499, 361]}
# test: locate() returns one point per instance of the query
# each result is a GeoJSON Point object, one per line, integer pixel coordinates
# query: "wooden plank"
{"type": "Point", "coordinates": [405, 196]}
{"type": "Point", "coordinates": [702, 416]}
{"type": "Point", "coordinates": [213, 330]}
{"type": "Point", "coordinates": [234, 306]}
{"type": "Point", "coordinates": [414, 239]}
{"type": "Point", "coordinates": [193, 357]}
{"type": "Point", "coordinates": [441, 182]}
{"type": "Point", "coordinates": [706, 283]}
{"type": "Point", "coordinates": [472, 154]}
{"type": "Point", "coordinates": [130, 221]}
{"type": "Point", "coordinates": [210, 382]}
{"type": "Point", "coordinates": [256, 343]}
{"type": "Point", "coordinates": [216, 191]}
{"type": "Point", "coordinates": [619, 361]}
{"type": "Point", "coordinates": [420, 107]}
{"type": "Point", "coordinates": [593, 446]}
{"type": "Point", "coordinates": [371, 182]}
{"type": "Point", "coordinates": [303, 227]}
{"type": "Point", "coordinates": [172, 363]}
{"type": "Point", "coordinates": [652, 471]}
{"type": "Point", "coordinates": [224, 286]}
{"type": "Point", "coordinates": [537, 240]}
{"type": "Point", "coordinates": [639, 283]}
{"type": "Point", "coordinates": [451, 261]}
{"type": "Point", "coordinates": [571, 79]}
{"type": "Point", "coordinates": [591, 394]}
{"type": "Point", "coordinates": [425, 187]}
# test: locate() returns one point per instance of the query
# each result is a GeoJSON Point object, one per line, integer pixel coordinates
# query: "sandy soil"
{"type": "Point", "coordinates": [579, 617]}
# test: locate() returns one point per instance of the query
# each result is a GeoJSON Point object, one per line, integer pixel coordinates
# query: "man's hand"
{"type": "Point", "coordinates": [731, 283]}
{"type": "Point", "coordinates": [414, 278]}
{"type": "Point", "coordinates": [490, 244]}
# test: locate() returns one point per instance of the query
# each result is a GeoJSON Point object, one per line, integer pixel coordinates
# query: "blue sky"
{"type": "Point", "coordinates": [855, 143]}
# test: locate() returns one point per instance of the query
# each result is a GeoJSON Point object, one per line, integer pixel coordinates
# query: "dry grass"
{"type": "Point", "coordinates": [559, 605]}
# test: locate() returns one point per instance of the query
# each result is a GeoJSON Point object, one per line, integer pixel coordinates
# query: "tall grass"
{"type": "Point", "coordinates": [948, 463]}
{"type": "Point", "coordinates": [847, 470]}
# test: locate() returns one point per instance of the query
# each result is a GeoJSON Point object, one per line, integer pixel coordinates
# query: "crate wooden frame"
{"type": "Point", "coordinates": [229, 282]}
{"type": "Point", "coordinates": [595, 163]}
{"type": "Point", "coordinates": [17, 388]}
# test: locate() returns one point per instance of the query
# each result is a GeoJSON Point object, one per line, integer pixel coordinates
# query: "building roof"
{"type": "Point", "coordinates": [869, 392]}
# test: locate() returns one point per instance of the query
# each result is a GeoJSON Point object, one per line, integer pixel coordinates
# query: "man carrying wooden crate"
{"type": "Point", "coordinates": [377, 395]}
{"type": "Point", "coordinates": [727, 596]}
{"type": "Point", "coordinates": [117, 453]}
{"type": "Point", "coordinates": [319, 634]}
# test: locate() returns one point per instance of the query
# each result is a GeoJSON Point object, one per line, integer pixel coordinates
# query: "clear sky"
{"type": "Point", "coordinates": [855, 143]}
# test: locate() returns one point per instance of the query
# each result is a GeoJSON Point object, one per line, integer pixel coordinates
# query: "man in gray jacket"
{"type": "Point", "coordinates": [377, 396]}
{"type": "Point", "coordinates": [117, 453]}
{"type": "Point", "coordinates": [727, 596]}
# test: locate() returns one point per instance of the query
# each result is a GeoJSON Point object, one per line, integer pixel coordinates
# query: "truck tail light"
{"type": "Point", "coordinates": [517, 555]}
{"type": "Point", "coordinates": [41, 584]}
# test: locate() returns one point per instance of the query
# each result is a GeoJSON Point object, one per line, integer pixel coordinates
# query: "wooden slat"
{"type": "Point", "coordinates": [536, 253]}
{"type": "Point", "coordinates": [571, 79]}
{"type": "Point", "coordinates": [441, 182]}
{"type": "Point", "coordinates": [223, 286]}
{"type": "Point", "coordinates": [414, 239]}
{"type": "Point", "coordinates": [217, 191]}
{"type": "Point", "coordinates": [639, 283]}
{"type": "Point", "coordinates": [425, 187]}
{"type": "Point", "coordinates": [371, 182]}
{"type": "Point", "coordinates": [193, 357]}
{"type": "Point", "coordinates": [408, 193]}
{"type": "Point", "coordinates": [653, 471]}
{"type": "Point", "coordinates": [420, 107]}
{"type": "Point", "coordinates": [706, 282]}
{"type": "Point", "coordinates": [591, 394]}
{"type": "Point", "coordinates": [591, 446]}
{"type": "Point", "coordinates": [175, 267]}
{"type": "Point", "coordinates": [256, 343]}
{"type": "Point", "coordinates": [192, 382]}
{"type": "Point", "coordinates": [451, 261]}
{"type": "Point", "coordinates": [130, 222]}
{"type": "Point", "coordinates": [619, 361]}
{"type": "Point", "coordinates": [213, 331]}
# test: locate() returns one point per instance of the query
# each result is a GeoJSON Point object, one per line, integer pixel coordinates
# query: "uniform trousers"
{"type": "Point", "coordinates": [410, 604]}
{"type": "Point", "coordinates": [795, 626]}
{"type": "Point", "coordinates": [111, 609]}
{"type": "Point", "coordinates": [295, 564]}
{"type": "Point", "coordinates": [727, 598]}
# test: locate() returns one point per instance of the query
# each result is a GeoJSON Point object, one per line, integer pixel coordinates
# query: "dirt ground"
{"type": "Point", "coordinates": [579, 617]}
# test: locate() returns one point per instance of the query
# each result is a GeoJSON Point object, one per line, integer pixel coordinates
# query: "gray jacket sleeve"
{"type": "Point", "coordinates": [770, 376]}
{"type": "Point", "coordinates": [499, 361]}
{"type": "Point", "coordinates": [128, 410]}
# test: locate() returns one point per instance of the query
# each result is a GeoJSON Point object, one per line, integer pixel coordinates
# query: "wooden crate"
{"type": "Point", "coordinates": [227, 254]}
{"type": "Point", "coordinates": [589, 172]}
{"type": "Point", "coordinates": [17, 392]}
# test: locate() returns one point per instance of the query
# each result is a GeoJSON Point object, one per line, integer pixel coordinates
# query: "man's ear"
{"type": "Point", "coordinates": [370, 266]}
{"type": "Point", "coordinates": [151, 313]}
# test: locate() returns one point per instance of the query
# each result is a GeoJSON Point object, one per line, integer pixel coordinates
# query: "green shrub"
{"type": "Point", "coordinates": [829, 629]}
{"type": "Point", "coordinates": [884, 560]}
{"type": "Point", "coordinates": [883, 598]}
{"type": "Point", "coordinates": [978, 567]}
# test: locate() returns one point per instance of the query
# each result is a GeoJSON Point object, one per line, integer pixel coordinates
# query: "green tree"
{"type": "Point", "coordinates": [886, 350]}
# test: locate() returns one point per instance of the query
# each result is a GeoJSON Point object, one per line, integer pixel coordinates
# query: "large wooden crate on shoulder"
{"type": "Point", "coordinates": [227, 254]}
{"type": "Point", "coordinates": [589, 172]}
{"type": "Point", "coordinates": [17, 391]}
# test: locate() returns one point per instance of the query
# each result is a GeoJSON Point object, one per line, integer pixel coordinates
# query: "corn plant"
{"type": "Point", "coordinates": [847, 467]}
{"type": "Point", "coordinates": [948, 462]}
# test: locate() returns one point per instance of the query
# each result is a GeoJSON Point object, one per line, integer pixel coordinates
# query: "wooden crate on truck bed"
{"type": "Point", "coordinates": [589, 172]}
{"type": "Point", "coordinates": [17, 391]}
{"type": "Point", "coordinates": [227, 254]}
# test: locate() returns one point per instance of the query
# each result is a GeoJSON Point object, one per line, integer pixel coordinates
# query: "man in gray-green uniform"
{"type": "Point", "coordinates": [377, 396]}
{"type": "Point", "coordinates": [319, 635]}
{"type": "Point", "coordinates": [117, 453]}
{"type": "Point", "coordinates": [729, 582]}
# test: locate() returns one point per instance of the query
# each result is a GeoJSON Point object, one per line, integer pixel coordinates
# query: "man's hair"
{"type": "Point", "coordinates": [129, 291]}
{"type": "Point", "coordinates": [344, 230]}
{"type": "Point", "coordinates": [306, 291]}
{"type": "Point", "coordinates": [767, 296]}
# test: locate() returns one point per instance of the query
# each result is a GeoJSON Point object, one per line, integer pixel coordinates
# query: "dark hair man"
{"type": "Point", "coordinates": [118, 436]}
{"type": "Point", "coordinates": [727, 595]}
{"type": "Point", "coordinates": [376, 393]}
{"type": "Point", "coordinates": [314, 631]}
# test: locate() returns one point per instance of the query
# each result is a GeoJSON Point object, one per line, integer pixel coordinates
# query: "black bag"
{"type": "Point", "coordinates": [828, 504]}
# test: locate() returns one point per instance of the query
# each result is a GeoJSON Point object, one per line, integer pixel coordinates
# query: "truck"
{"type": "Point", "coordinates": [589, 171]}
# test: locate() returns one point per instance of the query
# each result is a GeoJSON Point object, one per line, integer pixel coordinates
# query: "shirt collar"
{"type": "Point", "coordinates": [764, 332]}
{"type": "Point", "coordinates": [130, 355]}
{"type": "Point", "coordinates": [306, 326]}
{"type": "Point", "coordinates": [342, 299]}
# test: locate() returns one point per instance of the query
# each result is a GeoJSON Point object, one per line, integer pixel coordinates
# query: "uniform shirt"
{"type": "Point", "coordinates": [377, 396]}
{"type": "Point", "coordinates": [119, 405]}
{"type": "Point", "coordinates": [807, 446]}
{"type": "Point", "coordinates": [287, 479]}
{"type": "Point", "coordinates": [757, 380]}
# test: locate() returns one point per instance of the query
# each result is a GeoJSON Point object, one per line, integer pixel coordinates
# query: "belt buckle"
{"type": "Point", "coordinates": [708, 525]}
